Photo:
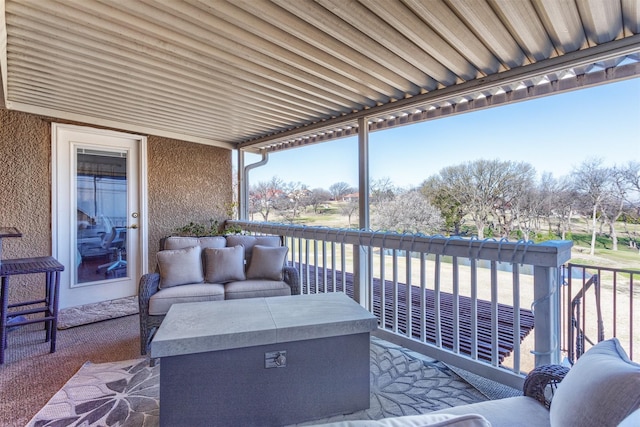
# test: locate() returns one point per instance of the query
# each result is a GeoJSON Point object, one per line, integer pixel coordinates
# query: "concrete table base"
{"type": "Point", "coordinates": [323, 377]}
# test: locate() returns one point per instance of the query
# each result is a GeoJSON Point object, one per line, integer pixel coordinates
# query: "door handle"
{"type": "Point", "coordinates": [134, 226]}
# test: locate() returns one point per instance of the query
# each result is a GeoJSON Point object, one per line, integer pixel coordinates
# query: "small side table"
{"type": "Point", "coordinates": [49, 305]}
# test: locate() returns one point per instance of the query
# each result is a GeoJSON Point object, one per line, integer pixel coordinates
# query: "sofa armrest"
{"type": "Point", "coordinates": [541, 383]}
{"type": "Point", "coordinates": [292, 279]}
{"type": "Point", "coordinates": [149, 285]}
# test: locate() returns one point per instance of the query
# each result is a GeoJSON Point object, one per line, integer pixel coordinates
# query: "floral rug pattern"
{"type": "Point", "coordinates": [126, 393]}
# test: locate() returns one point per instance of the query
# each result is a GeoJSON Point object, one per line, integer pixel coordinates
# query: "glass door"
{"type": "Point", "coordinates": [101, 209]}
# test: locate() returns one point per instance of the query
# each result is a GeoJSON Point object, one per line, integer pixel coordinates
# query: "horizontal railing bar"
{"type": "Point", "coordinates": [552, 253]}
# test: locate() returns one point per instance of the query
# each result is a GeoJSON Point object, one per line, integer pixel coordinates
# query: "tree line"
{"type": "Point", "coordinates": [486, 198]}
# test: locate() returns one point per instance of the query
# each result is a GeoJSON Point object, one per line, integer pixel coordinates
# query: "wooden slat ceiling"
{"type": "Point", "coordinates": [258, 74]}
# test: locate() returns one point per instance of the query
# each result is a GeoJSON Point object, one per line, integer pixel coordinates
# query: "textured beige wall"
{"type": "Point", "coordinates": [25, 193]}
{"type": "Point", "coordinates": [186, 182]}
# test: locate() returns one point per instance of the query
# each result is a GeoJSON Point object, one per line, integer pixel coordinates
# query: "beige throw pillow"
{"type": "Point", "coordinates": [224, 265]}
{"type": "Point", "coordinates": [180, 267]}
{"type": "Point", "coordinates": [601, 389]}
{"type": "Point", "coordinates": [267, 262]}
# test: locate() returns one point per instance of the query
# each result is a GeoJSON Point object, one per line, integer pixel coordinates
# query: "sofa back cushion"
{"type": "Point", "coordinates": [248, 242]}
{"type": "Point", "coordinates": [602, 388]}
{"type": "Point", "coordinates": [181, 242]}
{"type": "Point", "coordinates": [267, 262]}
{"type": "Point", "coordinates": [222, 265]}
{"type": "Point", "coordinates": [180, 267]}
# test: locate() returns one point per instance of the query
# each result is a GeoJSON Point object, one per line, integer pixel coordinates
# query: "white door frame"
{"type": "Point", "coordinates": [57, 163]}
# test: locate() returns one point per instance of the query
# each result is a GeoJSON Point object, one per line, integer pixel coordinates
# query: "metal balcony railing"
{"type": "Point", "coordinates": [466, 302]}
{"type": "Point", "coordinates": [599, 303]}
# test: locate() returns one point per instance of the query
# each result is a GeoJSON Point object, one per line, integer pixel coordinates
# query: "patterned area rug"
{"type": "Point", "coordinates": [126, 393]}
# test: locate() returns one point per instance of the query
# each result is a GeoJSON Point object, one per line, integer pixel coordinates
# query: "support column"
{"type": "Point", "coordinates": [362, 254]}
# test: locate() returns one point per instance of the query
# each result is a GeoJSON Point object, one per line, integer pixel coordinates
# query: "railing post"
{"type": "Point", "coordinates": [361, 275]}
{"type": "Point", "coordinates": [547, 322]}
{"type": "Point", "coordinates": [546, 306]}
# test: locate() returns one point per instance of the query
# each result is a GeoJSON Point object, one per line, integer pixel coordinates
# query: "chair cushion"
{"type": "Point", "coordinates": [161, 301]}
{"type": "Point", "coordinates": [224, 265]}
{"type": "Point", "coordinates": [432, 420]}
{"type": "Point", "coordinates": [507, 412]}
{"type": "Point", "coordinates": [180, 267]}
{"type": "Point", "coordinates": [256, 289]}
{"type": "Point", "coordinates": [602, 388]}
{"type": "Point", "coordinates": [267, 262]}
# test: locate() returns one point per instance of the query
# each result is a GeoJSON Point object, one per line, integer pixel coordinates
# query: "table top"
{"type": "Point", "coordinates": [10, 267]}
{"type": "Point", "coordinates": [222, 325]}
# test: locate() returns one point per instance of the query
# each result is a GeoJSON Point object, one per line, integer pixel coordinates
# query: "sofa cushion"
{"type": "Point", "coordinates": [519, 411]}
{"type": "Point", "coordinates": [256, 289]}
{"type": "Point", "coordinates": [267, 262]}
{"type": "Point", "coordinates": [212, 242]}
{"type": "Point", "coordinates": [180, 267]}
{"type": "Point", "coordinates": [224, 265]}
{"type": "Point", "coordinates": [432, 420]}
{"type": "Point", "coordinates": [602, 388]}
{"type": "Point", "coordinates": [250, 241]}
{"type": "Point", "coordinates": [181, 242]}
{"type": "Point", "coordinates": [161, 301]}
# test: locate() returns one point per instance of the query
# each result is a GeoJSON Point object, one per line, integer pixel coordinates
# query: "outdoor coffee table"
{"type": "Point", "coordinates": [263, 361]}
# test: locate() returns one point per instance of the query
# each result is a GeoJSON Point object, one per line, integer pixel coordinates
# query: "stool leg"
{"type": "Point", "coordinates": [4, 297]}
{"type": "Point", "coordinates": [55, 291]}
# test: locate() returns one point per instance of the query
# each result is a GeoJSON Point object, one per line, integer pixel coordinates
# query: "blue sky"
{"type": "Point", "coordinates": [554, 134]}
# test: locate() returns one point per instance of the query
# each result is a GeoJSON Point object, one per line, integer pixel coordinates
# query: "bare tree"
{"type": "Point", "coordinates": [264, 196]}
{"type": "Point", "coordinates": [381, 190]}
{"type": "Point", "coordinates": [408, 212]}
{"type": "Point", "coordinates": [614, 201]}
{"type": "Point", "coordinates": [340, 189]}
{"type": "Point", "coordinates": [592, 180]}
{"type": "Point", "coordinates": [317, 197]}
{"type": "Point", "coordinates": [349, 208]}
{"type": "Point", "coordinates": [295, 196]}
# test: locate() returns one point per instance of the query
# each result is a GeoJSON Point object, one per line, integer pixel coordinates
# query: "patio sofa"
{"type": "Point", "coordinates": [602, 389]}
{"type": "Point", "coordinates": [192, 269]}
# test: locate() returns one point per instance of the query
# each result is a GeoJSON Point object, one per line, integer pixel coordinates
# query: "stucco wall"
{"type": "Point", "coordinates": [25, 193]}
{"type": "Point", "coordinates": [186, 182]}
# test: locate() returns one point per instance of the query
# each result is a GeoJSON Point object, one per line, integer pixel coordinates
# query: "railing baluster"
{"type": "Point", "coordinates": [395, 290]}
{"type": "Point", "coordinates": [494, 314]}
{"type": "Point", "coordinates": [456, 304]}
{"type": "Point", "coordinates": [383, 289]}
{"type": "Point", "coordinates": [423, 297]}
{"type": "Point", "coordinates": [474, 308]}
{"type": "Point", "coordinates": [343, 266]}
{"type": "Point", "coordinates": [437, 303]}
{"type": "Point", "coordinates": [324, 266]}
{"type": "Point", "coordinates": [408, 299]}
{"type": "Point", "coordinates": [516, 317]}
{"type": "Point", "coordinates": [333, 266]}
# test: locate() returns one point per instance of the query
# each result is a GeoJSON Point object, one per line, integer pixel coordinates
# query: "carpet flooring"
{"type": "Point", "coordinates": [126, 393]}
